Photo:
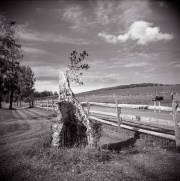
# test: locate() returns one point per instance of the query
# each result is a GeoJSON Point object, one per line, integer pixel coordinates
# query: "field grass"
{"type": "Point", "coordinates": [121, 155]}
{"type": "Point", "coordinates": [38, 161]}
{"type": "Point", "coordinates": [6, 115]}
{"type": "Point", "coordinates": [9, 124]}
{"type": "Point", "coordinates": [139, 95]}
{"type": "Point", "coordinates": [150, 90]}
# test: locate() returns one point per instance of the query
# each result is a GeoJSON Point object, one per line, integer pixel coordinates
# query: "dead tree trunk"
{"type": "Point", "coordinates": [73, 126]}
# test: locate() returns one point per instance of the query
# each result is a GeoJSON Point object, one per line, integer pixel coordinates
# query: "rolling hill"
{"type": "Point", "coordinates": [135, 89]}
{"type": "Point", "coordinates": [133, 94]}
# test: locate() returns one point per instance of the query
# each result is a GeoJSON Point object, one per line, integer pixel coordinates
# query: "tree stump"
{"type": "Point", "coordinates": [73, 126]}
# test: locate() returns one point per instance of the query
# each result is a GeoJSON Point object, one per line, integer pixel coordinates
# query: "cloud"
{"type": "Point", "coordinates": [109, 38]}
{"type": "Point", "coordinates": [34, 50]}
{"type": "Point", "coordinates": [151, 69]}
{"type": "Point", "coordinates": [136, 64]}
{"type": "Point", "coordinates": [41, 10]}
{"type": "Point", "coordinates": [146, 55]}
{"type": "Point", "coordinates": [118, 13]}
{"type": "Point", "coordinates": [132, 11]}
{"type": "Point", "coordinates": [48, 72]}
{"type": "Point", "coordinates": [121, 13]}
{"type": "Point", "coordinates": [28, 34]}
{"type": "Point", "coordinates": [103, 12]}
{"type": "Point", "coordinates": [141, 31]}
{"type": "Point", "coordinates": [75, 14]}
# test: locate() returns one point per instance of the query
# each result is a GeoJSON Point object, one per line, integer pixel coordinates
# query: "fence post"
{"type": "Point", "coordinates": [47, 105]}
{"type": "Point", "coordinates": [52, 105]}
{"type": "Point", "coordinates": [88, 108]}
{"type": "Point", "coordinates": [159, 105]}
{"type": "Point", "coordinates": [176, 119]}
{"type": "Point", "coordinates": [41, 103]}
{"type": "Point", "coordinates": [154, 105]}
{"type": "Point", "coordinates": [118, 111]}
{"type": "Point", "coordinates": [172, 96]}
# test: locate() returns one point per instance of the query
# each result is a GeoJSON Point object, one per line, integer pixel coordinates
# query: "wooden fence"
{"type": "Point", "coordinates": [169, 129]}
{"type": "Point", "coordinates": [48, 103]}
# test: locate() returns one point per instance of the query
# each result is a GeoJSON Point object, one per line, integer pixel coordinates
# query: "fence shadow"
{"type": "Point", "coordinates": [123, 144]}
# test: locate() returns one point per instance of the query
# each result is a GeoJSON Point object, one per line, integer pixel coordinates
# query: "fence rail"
{"type": "Point", "coordinates": [169, 129]}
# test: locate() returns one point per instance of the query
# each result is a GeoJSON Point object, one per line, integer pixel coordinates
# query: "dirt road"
{"type": "Point", "coordinates": [23, 125]}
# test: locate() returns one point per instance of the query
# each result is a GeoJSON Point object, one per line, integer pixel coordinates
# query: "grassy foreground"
{"type": "Point", "coordinates": [26, 153]}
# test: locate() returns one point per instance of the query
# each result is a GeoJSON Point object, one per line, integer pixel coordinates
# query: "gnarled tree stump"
{"type": "Point", "coordinates": [73, 126]}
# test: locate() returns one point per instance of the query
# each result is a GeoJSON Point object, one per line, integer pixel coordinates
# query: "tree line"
{"type": "Point", "coordinates": [16, 80]}
{"type": "Point", "coordinates": [44, 94]}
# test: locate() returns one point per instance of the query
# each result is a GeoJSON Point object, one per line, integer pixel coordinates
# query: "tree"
{"type": "Point", "coordinates": [75, 66]}
{"type": "Point", "coordinates": [73, 127]}
{"type": "Point", "coordinates": [26, 81]}
{"type": "Point", "coordinates": [10, 57]}
{"type": "Point", "coordinates": [55, 93]}
{"type": "Point", "coordinates": [3, 62]}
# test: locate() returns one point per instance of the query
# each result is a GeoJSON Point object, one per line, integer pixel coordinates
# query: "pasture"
{"type": "Point", "coordinates": [25, 152]}
{"type": "Point", "coordinates": [138, 95]}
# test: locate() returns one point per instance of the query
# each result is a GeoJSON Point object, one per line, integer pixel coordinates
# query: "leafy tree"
{"type": "Point", "coordinates": [76, 66]}
{"type": "Point", "coordinates": [11, 55]}
{"type": "Point", "coordinates": [36, 94]}
{"type": "Point", "coordinates": [55, 93]}
{"type": "Point", "coordinates": [26, 82]}
{"type": "Point", "coordinates": [46, 93]}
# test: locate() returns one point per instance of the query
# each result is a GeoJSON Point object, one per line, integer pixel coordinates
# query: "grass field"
{"type": "Point", "coordinates": [138, 95]}
{"type": "Point", "coordinates": [150, 90]}
{"type": "Point", "coordinates": [26, 153]}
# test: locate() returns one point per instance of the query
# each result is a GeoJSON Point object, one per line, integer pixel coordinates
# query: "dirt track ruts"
{"type": "Point", "coordinates": [38, 122]}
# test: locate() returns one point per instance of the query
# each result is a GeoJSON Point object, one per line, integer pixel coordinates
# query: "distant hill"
{"type": "Point", "coordinates": [135, 89]}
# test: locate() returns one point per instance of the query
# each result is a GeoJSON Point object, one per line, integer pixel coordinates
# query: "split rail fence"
{"type": "Point", "coordinates": [169, 129]}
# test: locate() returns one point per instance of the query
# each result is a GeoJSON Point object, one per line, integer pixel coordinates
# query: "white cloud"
{"type": "Point", "coordinates": [141, 31]}
{"type": "Point", "coordinates": [147, 55]}
{"type": "Point", "coordinates": [27, 34]}
{"type": "Point", "coordinates": [73, 13]}
{"type": "Point", "coordinates": [109, 38]}
{"type": "Point", "coordinates": [33, 50]}
{"type": "Point", "coordinates": [122, 13]}
{"type": "Point", "coordinates": [132, 11]}
{"type": "Point", "coordinates": [123, 38]}
{"type": "Point", "coordinates": [144, 33]}
{"type": "Point", "coordinates": [103, 11]}
{"type": "Point", "coordinates": [136, 64]}
{"type": "Point", "coordinates": [97, 62]}
{"type": "Point", "coordinates": [76, 16]}
{"type": "Point", "coordinates": [151, 69]}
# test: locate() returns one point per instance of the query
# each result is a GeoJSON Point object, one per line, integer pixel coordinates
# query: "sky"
{"type": "Point", "coordinates": [128, 42]}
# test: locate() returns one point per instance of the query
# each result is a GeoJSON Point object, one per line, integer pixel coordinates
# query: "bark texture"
{"type": "Point", "coordinates": [73, 126]}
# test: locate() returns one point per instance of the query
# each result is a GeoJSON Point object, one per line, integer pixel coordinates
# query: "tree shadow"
{"type": "Point", "coordinates": [30, 107]}
{"type": "Point", "coordinates": [123, 144]}
{"type": "Point", "coordinates": [8, 109]}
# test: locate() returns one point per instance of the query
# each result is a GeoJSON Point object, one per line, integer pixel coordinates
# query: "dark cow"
{"type": "Point", "coordinates": [158, 98]}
